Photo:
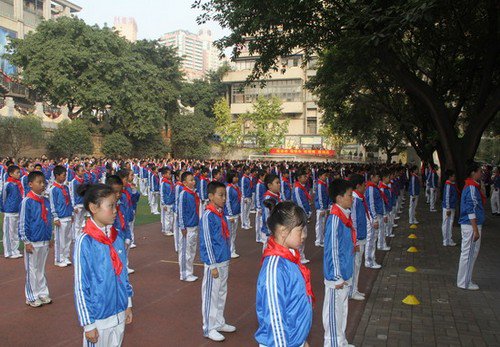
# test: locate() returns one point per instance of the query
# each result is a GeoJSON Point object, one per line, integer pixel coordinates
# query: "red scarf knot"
{"type": "Point", "coordinates": [235, 187]}
{"type": "Point", "coordinates": [347, 221]}
{"type": "Point", "coordinates": [300, 186]}
{"type": "Point", "coordinates": [120, 217]}
{"type": "Point", "coordinates": [97, 234]}
{"type": "Point", "coordinates": [365, 204]}
{"type": "Point", "coordinates": [196, 199]}
{"type": "Point", "coordinates": [383, 186]}
{"type": "Point", "coordinates": [17, 183]}
{"type": "Point", "coordinates": [454, 185]}
{"type": "Point", "coordinates": [272, 195]}
{"type": "Point", "coordinates": [223, 221]}
{"type": "Point", "coordinates": [41, 201]}
{"type": "Point", "coordinates": [471, 182]}
{"type": "Point", "coordinates": [64, 192]}
{"type": "Point", "coordinates": [129, 198]}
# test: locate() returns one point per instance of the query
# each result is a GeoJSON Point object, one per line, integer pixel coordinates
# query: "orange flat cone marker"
{"type": "Point", "coordinates": [412, 236]}
{"type": "Point", "coordinates": [412, 249]}
{"type": "Point", "coordinates": [411, 300]}
{"type": "Point", "coordinates": [413, 226]}
{"type": "Point", "coordinates": [411, 269]}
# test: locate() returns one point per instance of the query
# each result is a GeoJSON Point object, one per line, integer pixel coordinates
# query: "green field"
{"type": "Point", "coordinates": [143, 216]}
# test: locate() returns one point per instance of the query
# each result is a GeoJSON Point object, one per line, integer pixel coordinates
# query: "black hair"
{"type": "Point", "coordinates": [321, 172]}
{"type": "Point", "coordinates": [300, 172]}
{"type": "Point", "coordinates": [261, 173]}
{"type": "Point", "coordinates": [204, 170]}
{"type": "Point", "coordinates": [472, 166]}
{"type": "Point", "coordinates": [164, 170]}
{"type": "Point", "coordinates": [215, 172]}
{"type": "Point", "coordinates": [94, 193]}
{"type": "Point", "coordinates": [448, 173]}
{"type": "Point", "coordinates": [270, 179]}
{"type": "Point", "coordinates": [59, 170]}
{"type": "Point", "coordinates": [123, 173]}
{"type": "Point", "coordinates": [373, 174]}
{"type": "Point", "coordinates": [339, 187]}
{"type": "Point", "coordinates": [12, 168]}
{"type": "Point", "coordinates": [212, 187]}
{"type": "Point", "coordinates": [413, 168]}
{"type": "Point", "coordinates": [34, 174]}
{"type": "Point", "coordinates": [286, 213]}
{"type": "Point", "coordinates": [78, 167]}
{"type": "Point", "coordinates": [185, 175]}
{"type": "Point", "coordinates": [112, 180]}
{"type": "Point", "coordinates": [230, 175]}
{"type": "Point", "coordinates": [356, 179]}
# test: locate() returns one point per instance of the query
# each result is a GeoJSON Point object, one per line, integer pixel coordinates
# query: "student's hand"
{"type": "Point", "coordinates": [375, 225]}
{"type": "Point", "coordinates": [215, 273]}
{"type": "Point", "coordinates": [386, 219]}
{"type": "Point", "coordinates": [165, 208]}
{"type": "Point", "coordinates": [476, 235]}
{"type": "Point", "coordinates": [128, 315]}
{"type": "Point", "coordinates": [448, 213]}
{"type": "Point", "coordinates": [92, 336]}
{"type": "Point", "coordinates": [356, 248]}
{"type": "Point", "coordinates": [72, 219]}
{"type": "Point", "coordinates": [57, 223]}
{"type": "Point", "coordinates": [29, 248]}
{"type": "Point", "coordinates": [184, 232]}
{"type": "Point", "coordinates": [51, 243]}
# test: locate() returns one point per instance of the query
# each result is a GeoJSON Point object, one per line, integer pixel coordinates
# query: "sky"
{"type": "Point", "coordinates": [153, 17]}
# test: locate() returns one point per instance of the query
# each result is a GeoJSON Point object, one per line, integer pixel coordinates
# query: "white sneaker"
{"type": "Point", "coordinates": [130, 271]}
{"type": "Point", "coordinates": [395, 226]}
{"type": "Point", "coordinates": [133, 245]}
{"type": "Point", "coordinates": [305, 261]}
{"type": "Point", "coordinates": [226, 328]}
{"type": "Point", "coordinates": [214, 335]}
{"type": "Point", "coordinates": [374, 266]}
{"type": "Point", "coordinates": [452, 244]}
{"type": "Point", "coordinates": [357, 297]}
{"type": "Point", "coordinates": [385, 248]}
{"type": "Point", "coordinates": [473, 286]}
{"type": "Point", "coordinates": [170, 234]}
{"type": "Point", "coordinates": [234, 255]}
{"type": "Point", "coordinates": [416, 222]}
{"type": "Point", "coordinates": [362, 294]}
{"type": "Point", "coordinates": [67, 261]}
{"type": "Point", "coordinates": [191, 278]}
{"type": "Point", "coordinates": [36, 303]}
{"type": "Point", "coordinates": [16, 256]}
{"type": "Point", "coordinates": [391, 235]}
{"type": "Point", "coordinates": [45, 300]}
{"type": "Point", "coordinates": [397, 217]}
{"type": "Point", "coordinates": [61, 264]}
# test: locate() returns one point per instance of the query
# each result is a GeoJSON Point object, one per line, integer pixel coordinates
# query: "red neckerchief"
{"type": "Point", "coordinates": [371, 184]}
{"type": "Point", "coordinates": [362, 197]}
{"type": "Point", "coordinates": [260, 181]}
{"type": "Point", "coordinates": [251, 183]}
{"type": "Point", "coordinates": [203, 178]}
{"type": "Point", "coordinates": [300, 186]}
{"type": "Point", "coordinates": [383, 186]}
{"type": "Point", "coordinates": [223, 221]}
{"type": "Point", "coordinates": [129, 198]}
{"type": "Point", "coordinates": [64, 192]}
{"type": "Point", "coordinates": [179, 183]}
{"type": "Point", "coordinates": [323, 183]}
{"type": "Point", "coordinates": [17, 183]}
{"type": "Point", "coordinates": [40, 200]}
{"type": "Point", "coordinates": [196, 199]}
{"type": "Point", "coordinates": [237, 190]}
{"type": "Point", "coordinates": [80, 180]}
{"type": "Point", "coordinates": [347, 221]}
{"type": "Point", "coordinates": [97, 234]}
{"type": "Point", "coordinates": [287, 181]}
{"type": "Point", "coordinates": [471, 182]}
{"type": "Point", "coordinates": [120, 217]}
{"type": "Point", "coordinates": [272, 195]}
{"type": "Point", "coordinates": [166, 180]}
{"type": "Point", "coordinates": [454, 185]}
{"type": "Point", "coordinates": [273, 248]}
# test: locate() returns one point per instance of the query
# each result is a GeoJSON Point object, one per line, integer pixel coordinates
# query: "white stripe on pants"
{"type": "Point", "coordinates": [320, 226]}
{"type": "Point", "coordinates": [335, 308]}
{"type": "Point", "coordinates": [166, 218]}
{"type": "Point", "coordinates": [381, 243]}
{"type": "Point", "coordinates": [110, 337]}
{"type": "Point", "coordinates": [412, 208]}
{"type": "Point", "coordinates": [357, 266]}
{"type": "Point", "coordinates": [131, 226]}
{"type": "Point", "coordinates": [432, 198]}
{"type": "Point", "coordinates": [10, 235]}
{"type": "Point", "coordinates": [187, 251]}
{"type": "Point", "coordinates": [155, 197]}
{"type": "Point", "coordinates": [302, 247]}
{"type": "Point", "coordinates": [371, 241]}
{"type": "Point", "coordinates": [62, 240]}
{"type": "Point", "coordinates": [213, 298]}
{"type": "Point", "coordinates": [78, 221]}
{"type": "Point", "coordinates": [176, 232]}
{"type": "Point", "coordinates": [470, 250]}
{"type": "Point", "coordinates": [34, 264]}
{"type": "Point", "coordinates": [245, 212]}
{"type": "Point", "coordinates": [258, 225]}
{"type": "Point", "coordinates": [446, 227]}
{"type": "Point", "coordinates": [142, 187]}
{"type": "Point", "coordinates": [233, 230]}
{"type": "Point", "coordinates": [495, 200]}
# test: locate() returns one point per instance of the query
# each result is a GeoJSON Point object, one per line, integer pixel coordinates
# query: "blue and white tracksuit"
{"type": "Point", "coordinates": [432, 184]}
{"type": "Point", "coordinates": [361, 223]}
{"type": "Point", "coordinates": [62, 212]}
{"type": "Point", "coordinates": [449, 205]}
{"type": "Point", "coordinates": [300, 198]}
{"type": "Point", "coordinates": [338, 266]}
{"type": "Point", "coordinates": [177, 191]}
{"type": "Point", "coordinates": [79, 212]}
{"type": "Point", "coordinates": [167, 199]}
{"type": "Point", "coordinates": [471, 207]}
{"type": "Point", "coordinates": [284, 310]}
{"type": "Point", "coordinates": [246, 203]}
{"type": "Point", "coordinates": [260, 189]}
{"type": "Point", "coordinates": [215, 252]}
{"type": "Point", "coordinates": [188, 220]}
{"type": "Point", "coordinates": [10, 205]}
{"type": "Point", "coordinates": [321, 203]}
{"type": "Point", "coordinates": [414, 192]}
{"type": "Point", "coordinates": [286, 190]}
{"type": "Point", "coordinates": [154, 192]}
{"type": "Point", "coordinates": [232, 210]}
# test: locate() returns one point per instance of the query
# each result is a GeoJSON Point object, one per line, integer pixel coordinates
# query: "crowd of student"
{"type": "Point", "coordinates": [92, 204]}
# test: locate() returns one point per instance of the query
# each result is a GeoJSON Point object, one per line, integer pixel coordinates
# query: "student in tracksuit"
{"type": "Point", "coordinates": [143, 179]}
{"type": "Point", "coordinates": [360, 216]}
{"type": "Point", "coordinates": [28, 167]}
{"type": "Point", "coordinates": [167, 199]}
{"type": "Point", "coordinates": [284, 297]}
{"type": "Point", "coordinates": [286, 186]}
{"type": "Point", "coordinates": [246, 196]}
{"type": "Point", "coordinates": [203, 188]}
{"type": "Point", "coordinates": [62, 213]}
{"type": "Point", "coordinates": [338, 263]}
{"type": "Point", "coordinates": [272, 183]}
{"type": "Point", "coordinates": [321, 203]}
{"type": "Point", "coordinates": [450, 198]}
{"type": "Point", "coordinates": [471, 222]}
{"type": "Point", "coordinates": [260, 189]}
{"type": "Point", "coordinates": [232, 209]}
{"type": "Point", "coordinates": [35, 230]}
{"type": "Point", "coordinates": [77, 201]}
{"type": "Point", "coordinates": [302, 198]}
{"type": "Point", "coordinates": [432, 184]}
{"type": "Point", "coordinates": [414, 192]}
{"type": "Point", "coordinates": [154, 190]}
{"type": "Point", "coordinates": [495, 193]}
{"type": "Point", "coordinates": [188, 210]}
{"type": "Point", "coordinates": [177, 190]}
{"type": "Point", "coordinates": [130, 196]}
{"type": "Point", "coordinates": [215, 252]}
{"type": "Point", "coordinates": [103, 294]}
{"type": "Point", "coordinates": [387, 198]}
{"type": "Point", "coordinates": [12, 195]}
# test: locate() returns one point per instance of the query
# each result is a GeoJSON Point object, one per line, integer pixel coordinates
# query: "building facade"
{"type": "Point", "coordinates": [127, 27]}
{"type": "Point", "coordinates": [298, 104]}
{"type": "Point", "coordinates": [198, 54]}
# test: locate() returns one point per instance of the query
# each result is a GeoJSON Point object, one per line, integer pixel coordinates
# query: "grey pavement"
{"type": "Point", "coordinates": [447, 315]}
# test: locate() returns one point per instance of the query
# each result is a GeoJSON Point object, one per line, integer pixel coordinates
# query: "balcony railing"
{"type": "Point", "coordinates": [14, 88]}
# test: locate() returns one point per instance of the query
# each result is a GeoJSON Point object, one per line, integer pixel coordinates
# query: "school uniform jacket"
{"type": "Point", "coordinates": [100, 295]}
{"type": "Point", "coordinates": [167, 194]}
{"type": "Point", "coordinates": [11, 198]}
{"type": "Point", "coordinates": [359, 217]}
{"type": "Point", "coordinates": [284, 311]}
{"type": "Point", "coordinates": [321, 200]}
{"type": "Point", "coordinates": [123, 230]}
{"type": "Point", "coordinates": [265, 214]}
{"type": "Point", "coordinates": [26, 186]}
{"type": "Point", "coordinates": [375, 202]}
{"type": "Point", "coordinates": [187, 211]}
{"type": "Point", "coordinates": [286, 190]}
{"type": "Point", "coordinates": [432, 179]}
{"type": "Point", "coordinates": [414, 188]}
{"type": "Point", "coordinates": [471, 206]}
{"type": "Point", "coordinates": [233, 202]}
{"type": "Point", "coordinates": [58, 206]}
{"type": "Point", "coordinates": [215, 249]}
{"type": "Point", "coordinates": [300, 198]}
{"type": "Point", "coordinates": [154, 183]}
{"type": "Point", "coordinates": [75, 198]}
{"type": "Point", "coordinates": [127, 208]}
{"type": "Point", "coordinates": [202, 190]}
{"type": "Point", "coordinates": [32, 228]}
{"type": "Point", "coordinates": [178, 189]}
{"type": "Point", "coordinates": [246, 187]}
{"type": "Point", "coordinates": [135, 195]}
{"type": "Point", "coordinates": [260, 189]}
{"type": "Point", "coordinates": [338, 257]}
{"type": "Point", "coordinates": [450, 197]}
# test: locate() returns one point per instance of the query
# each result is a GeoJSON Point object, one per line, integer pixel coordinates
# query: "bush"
{"type": "Point", "coordinates": [19, 134]}
{"type": "Point", "coordinates": [70, 139]}
{"type": "Point", "coordinates": [151, 147]}
{"type": "Point", "coordinates": [116, 145]}
{"type": "Point", "coordinates": [191, 134]}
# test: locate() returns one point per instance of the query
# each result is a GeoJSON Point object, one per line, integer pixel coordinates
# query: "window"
{"type": "Point", "coordinates": [312, 126]}
{"type": "Point", "coordinates": [285, 90]}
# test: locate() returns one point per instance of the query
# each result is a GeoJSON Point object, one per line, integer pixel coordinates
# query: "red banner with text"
{"type": "Point", "coordinates": [312, 152]}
